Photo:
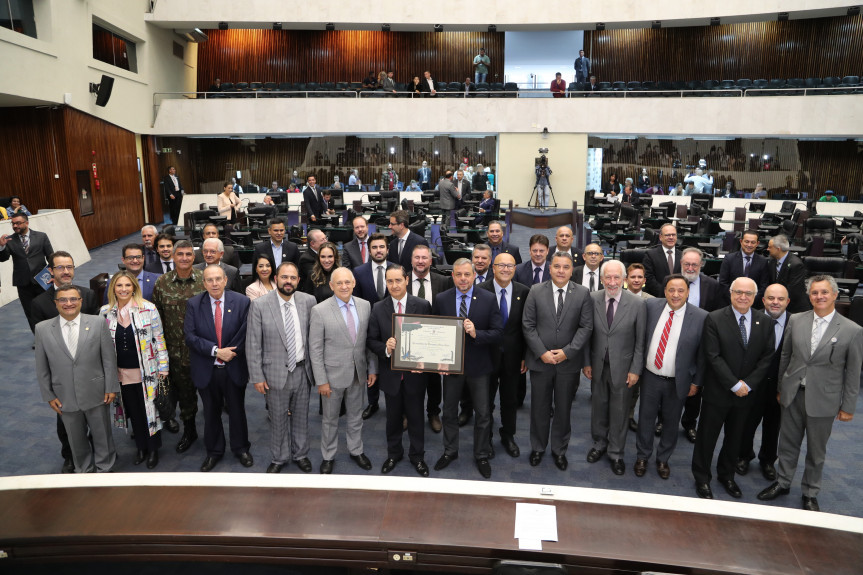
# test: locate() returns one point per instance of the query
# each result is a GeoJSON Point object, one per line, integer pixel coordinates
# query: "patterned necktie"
{"type": "Point", "coordinates": [290, 341]}
{"type": "Point", "coordinates": [352, 328]}
{"type": "Point", "coordinates": [663, 341]}
{"type": "Point", "coordinates": [670, 262]}
{"type": "Point", "coordinates": [421, 293]}
{"type": "Point", "coordinates": [504, 311]}
{"type": "Point", "coordinates": [462, 308]}
{"type": "Point", "coordinates": [25, 240]}
{"type": "Point", "coordinates": [363, 251]}
{"type": "Point", "coordinates": [816, 334]}
{"type": "Point", "coordinates": [559, 304]}
{"type": "Point", "coordinates": [746, 266]}
{"type": "Point", "coordinates": [536, 275]}
{"type": "Point", "coordinates": [743, 330]}
{"type": "Point", "coordinates": [380, 282]}
{"type": "Point", "coordinates": [72, 338]}
{"type": "Point", "coordinates": [592, 281]}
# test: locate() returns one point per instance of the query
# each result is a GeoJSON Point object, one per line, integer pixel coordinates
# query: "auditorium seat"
{"type": "Point", "coordinates": [256, 86]}
{"type": "Point", "coordinates": [633, 87]}
{"type": "Point", "coordinates": [849, 85]}
{"type": "Point", "coordinates": [496, 89]}
{"type": "Point", "coordinates": [482, 89]}
{"type": "Point", "coordinates": [666, 88]}
{"type": "Point", "coordinates": [454, 88]}
{"type": "Point", "coordinates": [743, 84]}
{"type": "Point", "coordinates": [813, 82]}
{"type": "Point", "coordinates": [511, 88]}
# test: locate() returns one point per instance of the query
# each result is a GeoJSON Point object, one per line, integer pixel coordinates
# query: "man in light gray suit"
{"type": "Point", "coordinates": [77, 372]}
{"type": "Point", "coordinates": [819, 379]}
{"type": "Point", "coordinates": [342, 366]}
{"type": "Point", "coordinates": [615, 359]}
{"type": "Point", "coordinates": [277, 351]}
{"type": "Point", "coordinates": [449, 197]}
{"type": "Point", "coordinates": [557, 322]}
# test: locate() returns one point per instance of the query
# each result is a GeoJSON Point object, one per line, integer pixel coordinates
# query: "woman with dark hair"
{"type": "Point", "coordinates": [228, 202]}
{"type": "Point", "coordinates": [142, 360]}
{"type": "Point", "coordinates": [318, 284]}
{"type": "Point", "coordinates": [414, 86]}
{"type": "Point", "coordinates": [263, 274]}
{"type": "Point", "coordinates": [16, 207]}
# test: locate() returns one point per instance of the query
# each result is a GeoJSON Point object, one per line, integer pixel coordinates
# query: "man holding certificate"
{"type": "Point", "coordinates": [483, 328]}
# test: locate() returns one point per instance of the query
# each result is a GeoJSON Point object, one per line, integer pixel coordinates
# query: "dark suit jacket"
{"type": "Point", "coordinates": [352, 256]}
{"type": "Point", "coordinates": [732, 268]}
{"type": "Point", "coordinates": [772, 377]}
{"type": "Point", "coordinates": [793, 277]}
{"type": "Point", "coordinates": [155, 267]}
{"type": "Point", "coordinates": [485, 316]}
{"type": "Point", "coordinates": [630, 199]}
{"type": "Point", "coordinates": [411, 241]}
{"type": "Point", "coordinates": [290, 252]}
{"type": "Point", "coordinates": [689, 363]}
{"type": "Point", "coordinates": [231, 257]}
{"type": "Point", "coordinates": [314, 205]}
{"type": "Point", "coordinates": [231, 272]}
{"type": "Point", "coordinates": [424, 86]}
{"type": "Point", "coordinates": [480, 182]}
{"type": "Point", "coordinates": [307, 265]}
{"type": "Point", "coordinates": [25, 265]}
{"type": "Point", "coordinates": [366, 286]}
{"type": "Point", "coordinates": [506, 248]}
{"type": "Point", "coordinates": [511, 348]}
{"type": "Point", "coordinates": [524, 273]}
{"type": "Point", "coordinates": [577, 258]}
{"type": "Point", "coordinates": [465, 188]}
{"type": "Point", "coordinates": [578, 275]}
{"type": "Point", "coordinates": [44, 307]}
{"type": "Point", "coordinates": [712, 295]}
{"type": "Point", "coordinates": [380, 330]}
{"type": "Point", "coordinates": [168, 189]}
{"type": "Point", "coordinates": [656, 268]}
{"type": "Point", "coordinates": [727, 361]}
{"type": "Point", "coordinates": [439, 283]}
{"type": "Point", "coordinates": [199, 329]}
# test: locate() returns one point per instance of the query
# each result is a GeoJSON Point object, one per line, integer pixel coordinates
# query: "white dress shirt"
{"type": "Point", "coordinates": [555, 294]}
{"type": "Point", "coordinates": [670, 356]}
{"type": "Point", "coordinates": [76, 327]}
{"type": "Point", "coordinates": [415, 286]}
{"type": "Point", "coordinates": [585, 278]}
{"type": "Point", "coordinates": [298, 337]}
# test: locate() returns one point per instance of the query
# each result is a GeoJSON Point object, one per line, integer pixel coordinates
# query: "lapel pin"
{"type": "Point", "coordinates": [833, 340]}
{"type": "Point", "coordinates": [757, 323]}
{"type": "Point", "coordinates": [88, 329]}
{"type": "Point", "coordinates": [518, 298]}
{"type": "Point", "coordinates": [229, 311]}
{"type": "Point", "coordinates": [474, 297]}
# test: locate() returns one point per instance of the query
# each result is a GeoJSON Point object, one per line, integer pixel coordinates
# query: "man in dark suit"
{"type": "Point", "coordinates": [173, 192]}
{"type": "Point", "coordinates": [450, 199]}
{"type": "Point", "coordinates": [497, 245]}
{"type": "Point", "coordinates": [563, 239]}
{"type": "Point", "coordinates": [231, 256]}
{"type": "Point", "coordinates": [133, 259]}
{"type": "Point", "coordinates": [787, 269]}
{"type": "Point", "coordinates": [462, 186]}
{"type": "Point", "coordinates": [587, 275]}
{"type": "Point", "coordinates": [165, 248]}
{"type": "Point", "coordinates": [29, 251]}
{"type": "Point", "coordinates": [738, 343]}
{"type": "Point", "coordinates": [483, 328]}
{"type": "Point", "coordinates": [356, 252]}
{"type": "Point", "coordinates": [314, 240]}
{"type": "Point", "coordinates": [405, 391]}
{"type": "Point", "coordinates": [215, 332]}
{"type": "Point", "coordinates": [591, 86]}
{"type": "Point", "coordinates": [403, 239]}
{"type": "Point", "coordinates": [535, 270]}
{"type": "Point", "coordinates": [426, 285]}
{"type": "Point", "coordinates": [557, 323]}
{"type": "Point", "coordinates": [213, 250]}
{"type": "Point", "coordinates": [629, 195]}
{"type": "Point", "coordinates": [427, 85]}
{"type": "Point", "coordinates": [745, 263]}
{"type": "Point", "coordinates": [313, 200]}
{"type": "Point", "coordinates": [673, 370]}
{"type": "Point", "coordinates": [278, 249]}
{"type": "Point", "coordinates": [661, 260]}
{"type": "Point", "coordinates": [508, 356]}
{"type": "Point", "coordinates": [765, 407]}
{"type": "Point", "coordinates": [371, 276]}
{"type": "Point", "coordinates": [148, 240]}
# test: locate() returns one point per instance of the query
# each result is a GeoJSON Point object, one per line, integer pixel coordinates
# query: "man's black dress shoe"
{"type": "Point", "coordinates": [152, 459]}
{"type": "Point", "coordinates": [304, 464]}
{"type": "Point", "coordinates": [509, 446]}
{"type": "Point", "coordinates": [535, 458]}
{"type": "Point", "coordinates": [657, 431]}
{"type": "Point", "coordinates": [186, 441]}
{"type": "Point", "coordinates": [327, 466]}
{"type": "Point", "coordinates": [618, 467]}
{"type": "Point", "coordinates": [633, 425]}
{"type": "Point", "coordinates": [560, 461]}
{"type": "Point", "coordinates": [434, 422]}
{"type": "Point", "coordinates": [768, 471]}
{"type": "Point", "coordinates": [370, 410]}
{"type": "Point", "coordinates": [209, 463]}
{"type": "Point", "coordinates": [389, 464]}
{"type": "Point", "coordinates": [422, 468]}
{"type": "Point", "coordinates": [732, 488]}
{"type": "Point", "coordinates": [246, 459]}
{"type": "Point", "coordinates": [742, 467]}
{"type": "Point", "coordinates": [171, 425]}
{"type": "Point", "coordinates": [690, 435]}
{"type": "Point", "coordinates": [275, 467]}
{"type": "Point", "coordinates": [140, 457]}
{"type": "Point", "coordinates": [663, 469]}
{"type": "Point", "coordinates": [445, 460]}
{"type": "Point", "coordinates": [362, 461]}
{"type": "Point", "coordinates": [484, 467]}
{"type": "Point", "coordinates": [464, 417]}
{"type": "Point", "coordinates": [68, 466]}
{"type": "Point", "coordinates": [595, 454]}
{"type": "Point", "coordinates": [810, 504]}
{"type": "Point", "coordinates": [703, 490]}
{"type": "Point", "coordinates": [772, 492]}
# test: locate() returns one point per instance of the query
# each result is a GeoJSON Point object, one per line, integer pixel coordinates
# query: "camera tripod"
{"type": "Point", "coordinates": [536, 192]}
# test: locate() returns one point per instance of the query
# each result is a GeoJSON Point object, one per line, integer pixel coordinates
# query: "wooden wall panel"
{"type": "Point", "coordinates": [343, 56]}
{"type": "Point", "coordinates": [156, 209]}
{"type": "Point", "coordinates": [817, 47]}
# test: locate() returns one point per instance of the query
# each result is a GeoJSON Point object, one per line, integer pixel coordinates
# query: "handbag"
{"type": "Point", "coordinates": [165, 400]}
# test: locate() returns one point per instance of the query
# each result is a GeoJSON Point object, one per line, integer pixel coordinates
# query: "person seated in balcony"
{"type": "Point", "coordinates": [370, 82]}
{"type": "Point", "coordinates": [16, 207]}
{"type": "Point", "coordinates": [414, 187]}
{"type": "Point", "coordinates": [382, 77]}
{"type": "Point", "coordinates": [216, 86]}
{"type": "Point", "coordinates": [828, 197]}
{"type": "Point", "coordinates": [593, 86]}
{"type": "Point", "coordinates": [427, 85]}
{"type": "Point", "coordinates": [558, 86]}
{"type": "Point", "coordinates": [293, 189]}
{"type": "Point", "coordinates": [337, 185]}
{"type": "Point", "coordinates": [469, 88]}
{"type": "Point", "coordinates": [414, 86]}
{"type": "Point", "coordinates": [486, 207]}
{"type": "Point", "coordinates": [389, 83]}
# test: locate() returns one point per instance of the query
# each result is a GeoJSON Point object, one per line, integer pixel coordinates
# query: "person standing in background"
{"type": "Point", "coordinates": [173, 192]}
{"type": "Point", "coordinates": [582, 67]}
{"type": "Point", "coordinates": [481, 63]}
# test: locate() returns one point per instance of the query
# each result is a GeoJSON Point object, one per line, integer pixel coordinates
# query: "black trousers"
{"type": "Point", "coordinates": [766, 412]}
{"type": "Point", "coordinates": [374, 394]}
{"type": "Point", "coordinates": [174, 209]}
{"type": "Point", "coordinates": [434, 393]}
{"type": "Point", "coordinates": [408, 402]}
{"type": "Point", "coordinates": [133, 404]}
{"type": "Point", "coordinates": [713, 418]}
{"type": "Point", "coordinates": [691, 411]}
{"type": "Point", "coordinates": [505, 380]}
{"type": "Point", "coordinates": [219, 393]}
{"type": "Point", "coordinates": [26, 294]}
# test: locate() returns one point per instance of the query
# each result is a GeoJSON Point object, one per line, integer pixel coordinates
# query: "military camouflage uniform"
{"type": "Point", "coordinates": [170, 296]}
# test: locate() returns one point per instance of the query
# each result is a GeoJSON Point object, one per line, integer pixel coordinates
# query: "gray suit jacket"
{"type": "Point", "coordinates": [832, 373]}
{"type": "Point", "coordinates": [335, 358]}
{"type": "Point", "coordinates": [543, 332]}
{"type": "Point", "coordinates": [623, 340]}
{"type": "Point", "coordinates": [352, 256]}
{"type": "Point", "coordinates": [230, 271]}
{"type": "Point", "coordinates": [80, 383]}
{"type": "Point", "coordinates": [266, 348]}
{"type": "Point", "coordinates": [448, 195]}
{"type": "Point", "coordinates": [689, 365]}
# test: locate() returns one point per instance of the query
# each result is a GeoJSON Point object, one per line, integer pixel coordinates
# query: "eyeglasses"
{"type": "Point", "coordinates": [739, 292]}
{"type": "Point", "coordinates": [593, 253]}
{"type": "Point", "coordinates": [505, 266]}
{"type": "Point", "coordinates": [133, 258]}
{"type": "Point", "coordinates": [64, 268]}
{"type": "Point", "coordinates": [65, 300]}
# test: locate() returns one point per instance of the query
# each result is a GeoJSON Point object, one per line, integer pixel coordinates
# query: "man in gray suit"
{"type": "Point", "coordinates": [77, 372]}
{"type": "Point", "coordinates": [342, 366]}
{"type": "Point", "coordinates": [29, 251]}
{"type": "Point", "coordinates": [819, 381]}
{"type": "Point", "coordinates": [213, 250]}
{"type": "Point", "coordinates": [449, 197]}
{"type": "Point", "coordinates": [618, 332]}
{"type": "Point", "coordinates": [277, 351]}
{"type": "Point", "coordinates": [557, 322]}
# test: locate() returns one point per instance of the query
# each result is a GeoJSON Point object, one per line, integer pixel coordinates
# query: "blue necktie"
{"type": "Point", "coordinates": [536, 275]}
{"type": "Point", "coordinates": [743, 330]}
{"type": "Point", "coordinates": [504, 311]}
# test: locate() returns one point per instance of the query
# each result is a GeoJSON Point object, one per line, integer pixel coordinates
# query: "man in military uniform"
{"type": "Point", "coordinates": [170, 295]}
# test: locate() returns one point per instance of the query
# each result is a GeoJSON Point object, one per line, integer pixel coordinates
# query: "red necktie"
{"type": "Point", "coordinates": [401, 319]}
{"type": "Point", "coordinates": [219, 325]}
{"type": "Point", "coordinates": [363, 251]}
{"type": "Point", "coordinates": [663, 341]}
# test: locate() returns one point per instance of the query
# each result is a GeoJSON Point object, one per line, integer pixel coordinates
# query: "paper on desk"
{"type": "Point", "coordinates": [530, 544]}
{"type": "Point", "coordinates": [536, 522]}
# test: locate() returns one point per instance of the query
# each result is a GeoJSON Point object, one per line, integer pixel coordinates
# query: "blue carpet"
{"type": "Point", "coordinates": [28, 442]}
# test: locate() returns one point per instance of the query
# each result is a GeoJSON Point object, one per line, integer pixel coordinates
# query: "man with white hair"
{"type": "Point", "coordinates": [213, 249]}
{"type": "Point", "coordinates": [148, 238]}
{"type": "Point", "coordinates": [698, 181]}
{"type": "Point", "coordinates": [619, 320]}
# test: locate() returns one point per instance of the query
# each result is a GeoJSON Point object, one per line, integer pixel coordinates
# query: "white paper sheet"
{"type": "Point", "coordinates": [535, 522]}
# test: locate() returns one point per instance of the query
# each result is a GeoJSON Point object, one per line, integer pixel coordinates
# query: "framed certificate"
{"type": "Point", "coordinates": [430, 343]}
